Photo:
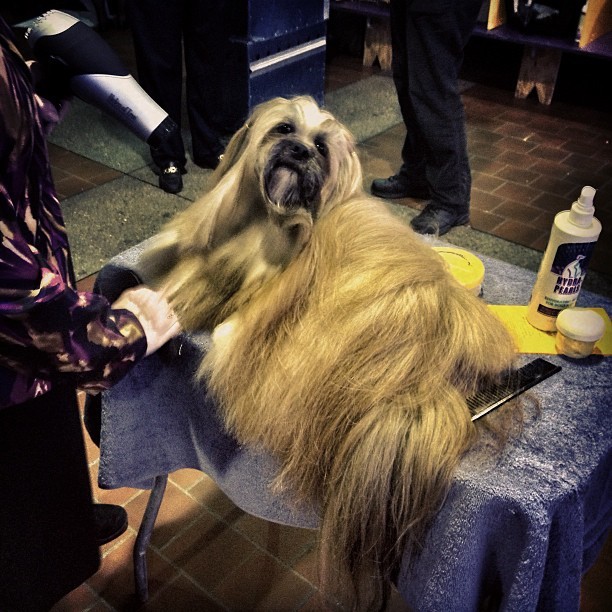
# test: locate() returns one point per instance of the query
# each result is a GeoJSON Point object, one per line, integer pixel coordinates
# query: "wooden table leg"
{"type": "Point", "coordinates": [539, 70]}
{"type": "Point", "coordinates": [377, 42]}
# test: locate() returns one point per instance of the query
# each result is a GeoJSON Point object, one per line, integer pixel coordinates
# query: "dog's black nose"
{"type": "Point", "coordinates": [299, 152]}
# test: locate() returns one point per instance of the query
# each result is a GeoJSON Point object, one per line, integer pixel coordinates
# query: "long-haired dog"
{"type": "Point", "coordinates": [341, 343]}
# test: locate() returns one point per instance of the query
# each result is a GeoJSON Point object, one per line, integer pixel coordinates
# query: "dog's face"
{"type": "Point", "coordinates": [295, 170]}
{"type": "Point", "coordinates": [301, 156]}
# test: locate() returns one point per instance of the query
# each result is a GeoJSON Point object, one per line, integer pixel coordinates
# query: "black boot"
{"type": "Point", "coordinates": [110, 521]}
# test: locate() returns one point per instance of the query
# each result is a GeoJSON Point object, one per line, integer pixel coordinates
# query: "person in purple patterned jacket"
{"type": "Point", "coordinates": [53, 341]}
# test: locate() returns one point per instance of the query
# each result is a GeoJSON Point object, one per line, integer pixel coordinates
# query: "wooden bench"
{"type": "Point", "coordinates": [541, 54]}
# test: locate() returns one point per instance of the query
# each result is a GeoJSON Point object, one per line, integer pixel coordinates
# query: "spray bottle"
{"type": "Point", "coordinates": [565, 262]}
{"type": "Point", "coordinates": [71, 51]}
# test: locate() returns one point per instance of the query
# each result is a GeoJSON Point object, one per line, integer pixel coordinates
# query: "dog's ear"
{"type": "Point", "coordinates": [242, 138]}
{"type": "Point", "coordinates": [345, 172]}
{"type": "Point", "coordinates": [232, 153]}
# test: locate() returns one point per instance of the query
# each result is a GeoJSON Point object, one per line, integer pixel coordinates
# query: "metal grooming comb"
{"type": "Point", "coordinates": [514, 383]}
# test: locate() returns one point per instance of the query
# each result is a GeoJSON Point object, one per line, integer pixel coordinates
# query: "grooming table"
{"type": "Point", "coordinates": [518, 530]}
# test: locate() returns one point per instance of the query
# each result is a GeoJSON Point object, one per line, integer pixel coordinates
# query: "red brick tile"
{"type": "Point", "coordinates": [589, 163]}
{"type": "Point", "coordinates": [551, 184]}
{"type": "Point", "coordinates": [549, 168]}
{"type": "Point", "coordinates": [585, 175]}
{"type": "Point", "coordinates": [186, 478]}
{"type": "Point", "coordinates": [182, 594]}
{"type": "Point", "coordinates": [516, 211]}
{"type": "Point", "coordinates": [178, 509]}
{"type": "Point", "coordinates": [518, 193]}
{"type": "Point", "coordinates": [487, 165]}
{"type": "Point", "coordinates": [262, 583]}
{"type": "Point", "coordinates": [514, 158]}
{"type": "Point", "coordinates": [514, 231]}
{"type": "Point", "coordinates": [483, 201]}
{"type": "Point", "coordinates": [484, 221]}
{"type": "Point", "coordinates": [544, 125]}
{"type": "Point", "coordinates": [87, 283]}
{"type": "Point", "coordinates": [209, 550]}
{"type": "Point", "coordinates": [579, 146]}
{"type": "Point", "coordinates": [550, 140]}
{"type": "Point", "coordinates": [581, 132]}
{"type": "Point", "coordinates": [540, 243]}
{"type": "Point", "coordinates": [518, 175]}
{"type": "Point", "coordinates": [516, 144]}
{"type": "Point", "coordinates": [481, 135]}
{"type": "Point", "coordinates": [307, 566]}
{"type": "Point", "coordinates": [517, 131]}
{"type": "Point", "coordinates": [547, 202]}
{"type": "Point", "coordinates": [550, 153]}
{"type": "Point", "coordinates": [209, 495]}
{"type": "Point", "coordinates": [486, 182]}
{"type": "Point", "coordinates": [72, 185]}
{"type": "Point", "coordinates": [114, 581]}
{"type": "Point", "coordinates": [543, 221]}
{"type": "Point", "coordinates": [281, 541]}
{"type": "Point", "coordinates": [82, 598]}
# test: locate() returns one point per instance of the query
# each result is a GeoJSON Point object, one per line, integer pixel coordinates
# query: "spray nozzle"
{"type": "Point", "coordinates": [582, 211]}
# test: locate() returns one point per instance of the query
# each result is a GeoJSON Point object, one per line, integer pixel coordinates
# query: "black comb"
{"type": "Point", "coordinates": [514, 383]}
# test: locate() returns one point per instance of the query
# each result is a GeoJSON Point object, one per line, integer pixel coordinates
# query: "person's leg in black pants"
{"type": "Point", "coordinates": [47, 531]}
{"type": "Point", "coordinates": [414, 149]}
{"type": "Point", "coordinates": [157, 30]}
{"type": "Point", "coordinates": [428, 40]}
{"type": "Point", "coordinates": [206, 36]}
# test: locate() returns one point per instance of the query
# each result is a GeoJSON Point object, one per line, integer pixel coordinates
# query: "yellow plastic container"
{"type": "Point", "coordinates": [464, 266]}
{"type": "Point", "coordinates": [578, 330]}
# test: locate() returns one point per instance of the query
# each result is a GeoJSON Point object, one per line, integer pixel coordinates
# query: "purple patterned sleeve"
{"type": "Point", "coordinates": [48, 330]}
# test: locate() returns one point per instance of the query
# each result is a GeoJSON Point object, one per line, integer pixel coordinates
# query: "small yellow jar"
{"type": "Point", "coordinates": [464, 266]}
{"type": "Point", "coordinates": [578, 329]}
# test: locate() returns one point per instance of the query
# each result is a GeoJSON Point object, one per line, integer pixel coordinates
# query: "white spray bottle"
{"type": "Point", "coordinates": [565, 262]}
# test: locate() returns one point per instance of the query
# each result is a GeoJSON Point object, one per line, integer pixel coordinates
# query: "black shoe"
{"type": "Point", "coordinates": [434, 219]}
{"type": "Point", "coordinates": [399, 186]}
{"type": "Point", "coordinates": [170, 178]}
{"type": "Point", "coordinates": [110, 522]}
{"type": "Point", "coordinates": [208, 162]}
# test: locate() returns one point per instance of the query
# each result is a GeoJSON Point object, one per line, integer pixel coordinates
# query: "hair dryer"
{"type": "Point", "coordinates": [73, 52]}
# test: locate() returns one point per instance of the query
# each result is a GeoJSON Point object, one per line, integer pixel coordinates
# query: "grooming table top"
{"type": "Point", "coordinates": [522, 526]}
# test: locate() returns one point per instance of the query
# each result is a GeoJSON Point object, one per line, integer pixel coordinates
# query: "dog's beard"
{"type": "Point", "coordinates": [293, 177]}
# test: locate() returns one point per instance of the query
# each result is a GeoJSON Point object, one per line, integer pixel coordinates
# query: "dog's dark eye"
{"type": "Point", "coordinates": [284, 128]}
{"type": "Point", "coordinates": [321, 147]}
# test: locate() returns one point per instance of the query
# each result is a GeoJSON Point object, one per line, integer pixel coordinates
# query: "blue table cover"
{"type": "Point", "coordinates": [521, 527]}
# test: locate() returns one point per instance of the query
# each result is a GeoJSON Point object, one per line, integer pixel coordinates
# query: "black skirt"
{"type": "Point", "coordinates": [47, 542]}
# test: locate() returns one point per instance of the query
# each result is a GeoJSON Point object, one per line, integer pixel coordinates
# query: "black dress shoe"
{"type": "Point", "coordinates": [399, 186]}
{"type": "Point", "coordinates": [110, 521]}
{"type": "Point", "coordinates": [435, 219]}
{"type": "Point", "coordinates": [170, 178]}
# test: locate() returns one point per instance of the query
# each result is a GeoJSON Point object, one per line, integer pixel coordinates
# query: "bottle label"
{"type": "Point", "coordinates": [568, 270]}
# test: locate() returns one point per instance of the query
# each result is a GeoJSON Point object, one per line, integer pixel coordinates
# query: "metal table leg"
{"type": "Point", "coordinates": [144, 536]}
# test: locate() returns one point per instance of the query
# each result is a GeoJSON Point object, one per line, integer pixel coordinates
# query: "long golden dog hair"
{"type": "Point", "coordinates": [341, 343]}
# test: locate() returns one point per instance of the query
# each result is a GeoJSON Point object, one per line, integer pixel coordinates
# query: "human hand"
{"type": "Point", "coordinates": [152, 310]}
